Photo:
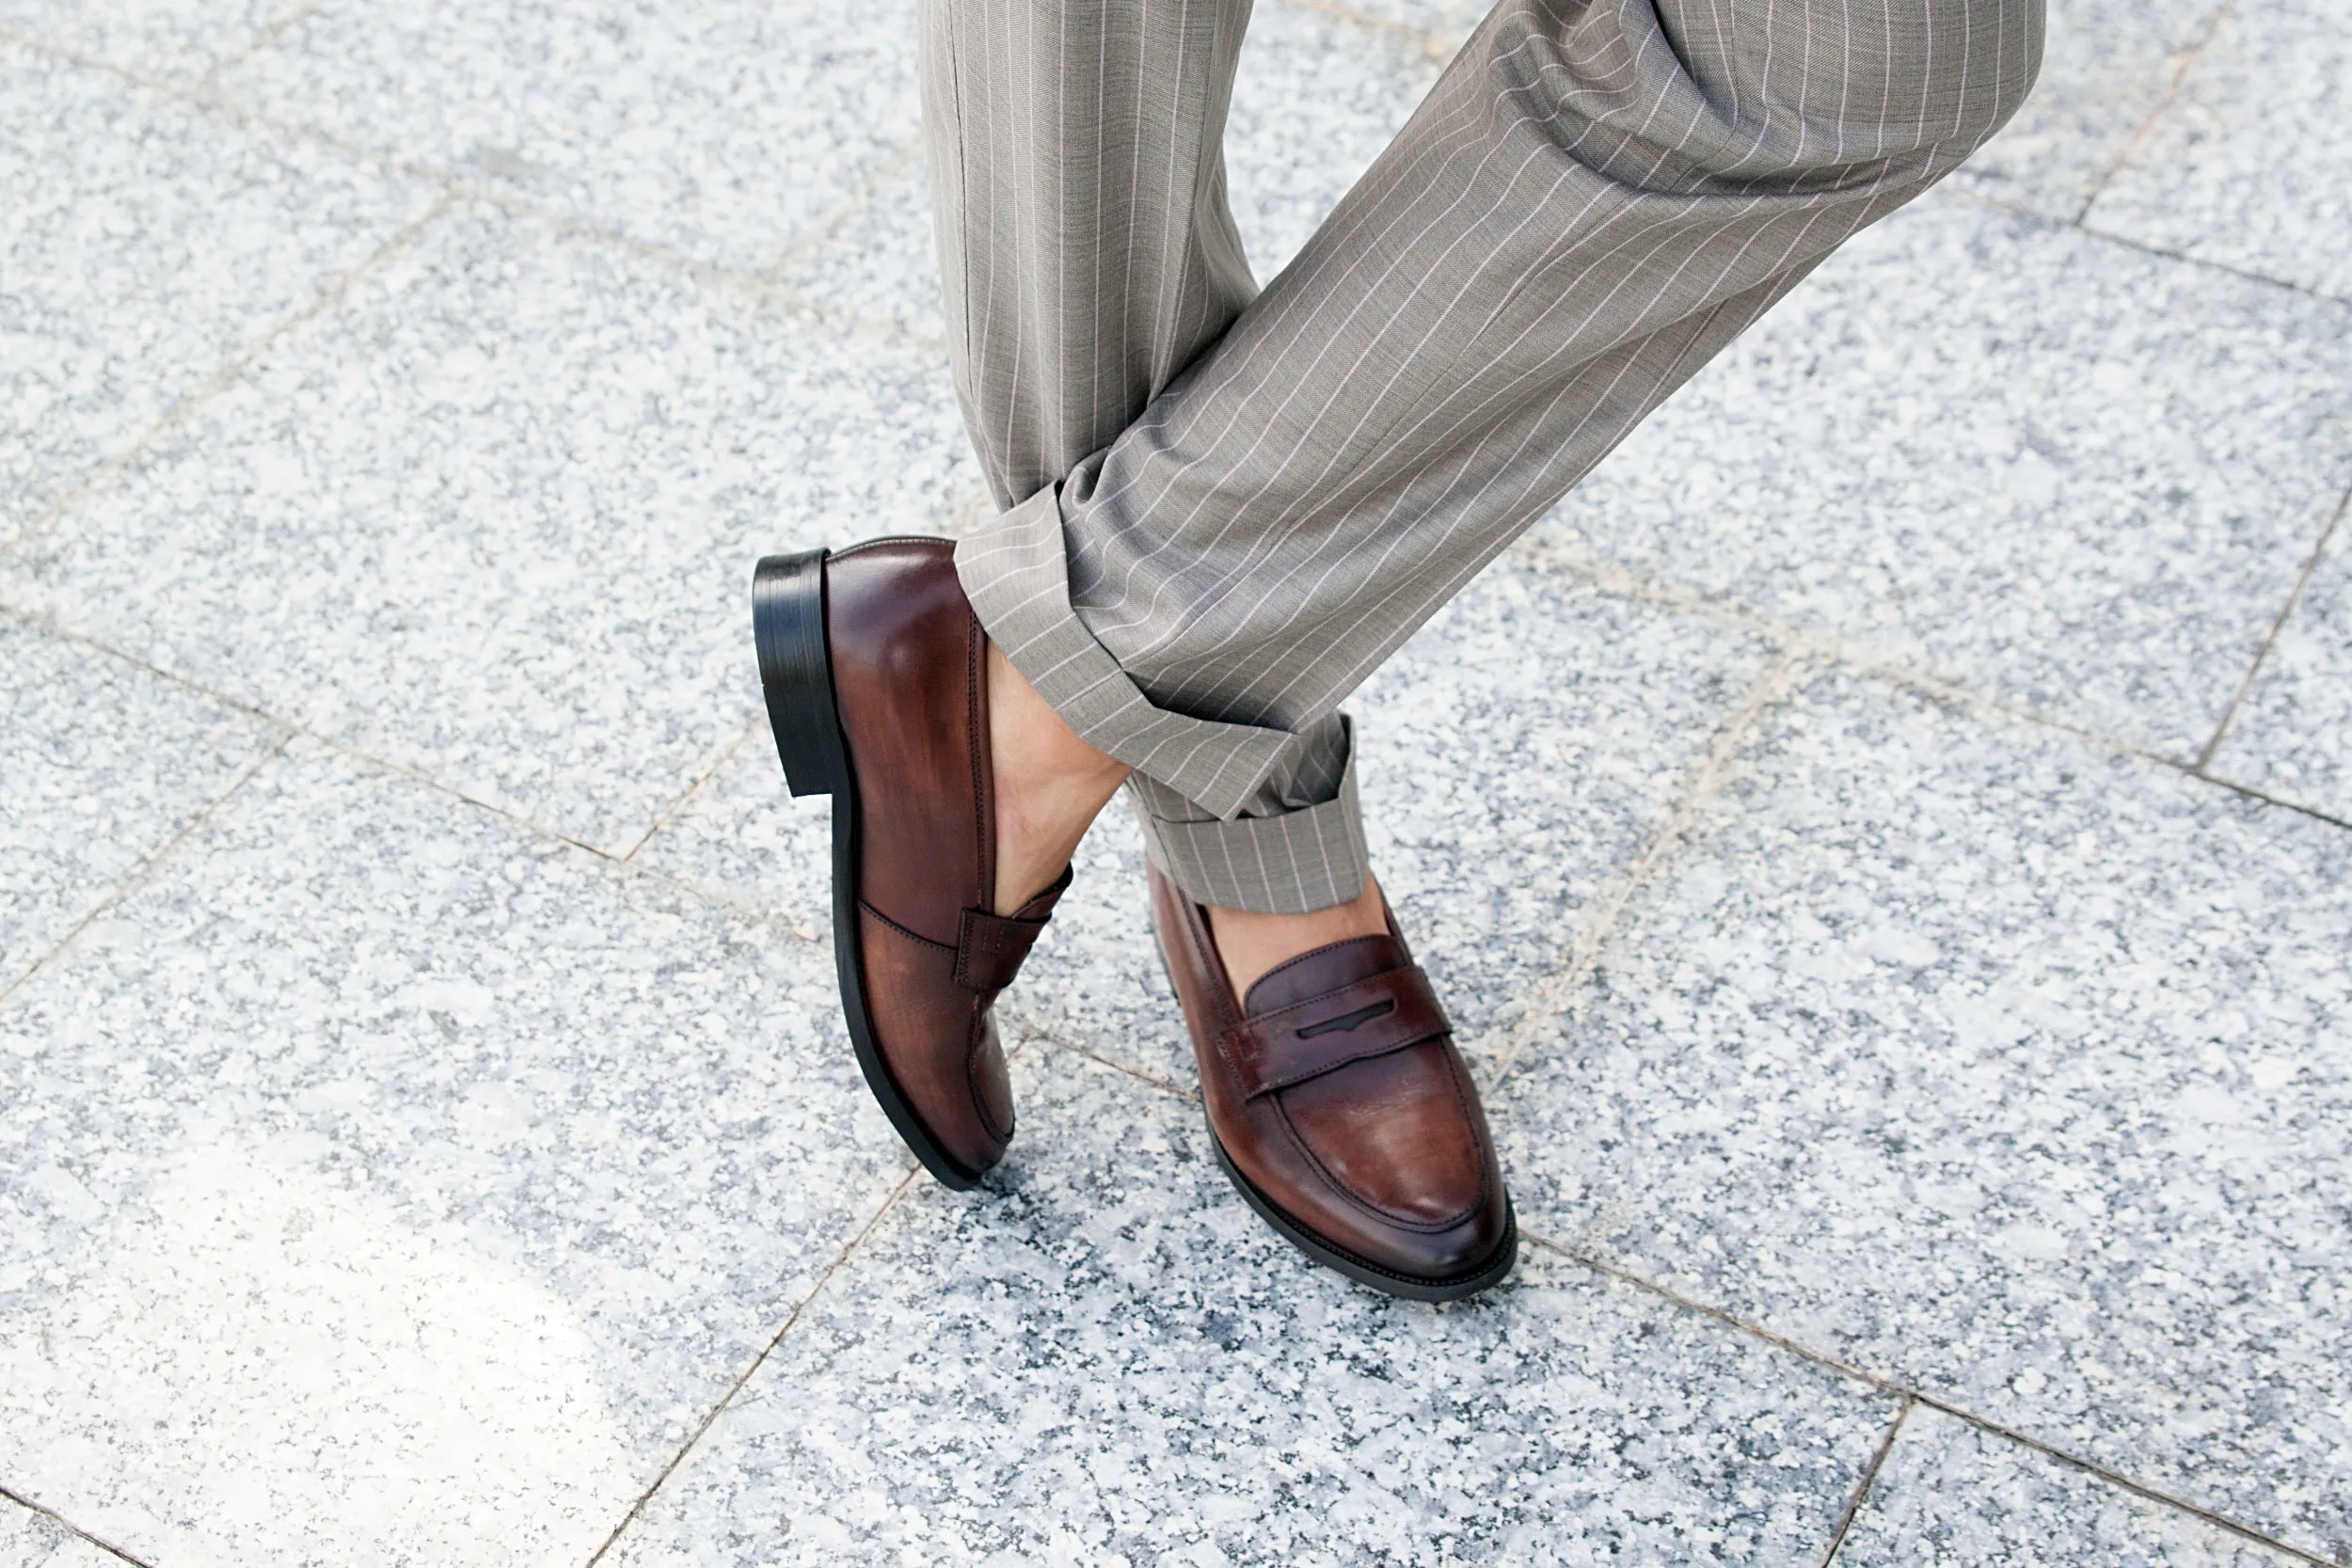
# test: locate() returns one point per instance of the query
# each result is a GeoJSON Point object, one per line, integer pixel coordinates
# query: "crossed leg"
{"type": "Point", "coordinates": [1223, 508]}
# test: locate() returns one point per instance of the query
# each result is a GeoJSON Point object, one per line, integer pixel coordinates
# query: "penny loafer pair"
{"type": "Point", "coordinates": [1336, 1100]}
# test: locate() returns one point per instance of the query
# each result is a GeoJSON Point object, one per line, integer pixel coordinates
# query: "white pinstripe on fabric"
{"type": "Point", "coordinates": [1223, 509]}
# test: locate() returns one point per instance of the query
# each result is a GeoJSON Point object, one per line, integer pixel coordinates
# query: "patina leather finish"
{"type": "Point", "coordinates": [924, 956]}
{"type": "Point", "coordinates": [1342, 1108]}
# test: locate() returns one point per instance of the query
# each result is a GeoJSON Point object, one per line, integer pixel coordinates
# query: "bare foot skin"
{"type": "Point", "coordinates": [1050, 785]}
{"type": "Point", "coordinates": [1251, 944]}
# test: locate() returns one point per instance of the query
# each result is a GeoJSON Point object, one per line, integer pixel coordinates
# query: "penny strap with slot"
{"type": "Point", "coordinates": [1364, 1018]}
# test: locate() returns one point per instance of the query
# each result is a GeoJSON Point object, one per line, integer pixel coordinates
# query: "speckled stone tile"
{"type": "Point", "coordinates": [496, 520]}
{"type": "Point", "coordinates": [879, 262]}
{"type": "Point", "coordinates": [2250, 166]}
{"type": "Point", "coordinates": [2291, 739]}
{"type": "Point", "coordinates": [147, 247]}
{"type": "Point", "coordinates": [386, 1184]}
{"type": "Point", "coordinates": [176, 40]}
{"type": "Point", "coordinates": [29, 1540]}
{"type": "Point", "coordinates": [2106, 66]}
{"type": "Point", "coordinates": [2068, 474]}
{"type": "Point", "coordinates": [1106, 1359]}
{"type": "Point", "coordinates": [1954, 1495]}
{"type": "Point", "coordinates": [1314, 101]}
{"type": "Point", "coordinates": [2000, 1064]}
{"type": "Point", "coordinates": [727, 128]}
{"type": "Point", "coordinates": [1514, 754]}
{"type": "Point", "coordinates": [100, 762]}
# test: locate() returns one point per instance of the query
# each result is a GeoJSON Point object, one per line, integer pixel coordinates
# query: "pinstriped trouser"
{"type": "Point", "coordinates": [1224, 508]}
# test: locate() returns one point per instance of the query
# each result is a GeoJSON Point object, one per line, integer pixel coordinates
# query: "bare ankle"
{"type": "Point", "coordinates": [1250, 944]}
{"type": "Point", "coordinates": [1049, 785]}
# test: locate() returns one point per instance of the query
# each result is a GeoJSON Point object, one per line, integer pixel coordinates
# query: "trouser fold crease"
{"type": "Point", "coordinates": [1223, 509]}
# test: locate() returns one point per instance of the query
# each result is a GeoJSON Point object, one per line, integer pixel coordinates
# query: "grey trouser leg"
{"type": "Point", "coordinates": [1223, 511]}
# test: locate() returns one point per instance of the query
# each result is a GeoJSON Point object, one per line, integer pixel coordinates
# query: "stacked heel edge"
{"type": "Point", "coordinates": [796, 671]}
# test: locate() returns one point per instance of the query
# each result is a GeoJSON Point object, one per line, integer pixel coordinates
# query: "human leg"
{"type": "Point", "coordinates": [1593, 200]}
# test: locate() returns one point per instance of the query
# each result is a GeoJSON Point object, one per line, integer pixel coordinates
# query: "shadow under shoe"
{"type": "Point", "coordinates": [875, 669]}
{"type": "Point", "coordinates": [1341, 1110]}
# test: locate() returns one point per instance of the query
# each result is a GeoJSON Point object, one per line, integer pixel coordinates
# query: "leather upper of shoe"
{"type": "Point", "coordinates": [909, 688]}
{"type": "Point", "coordinates": [1336, 1089]}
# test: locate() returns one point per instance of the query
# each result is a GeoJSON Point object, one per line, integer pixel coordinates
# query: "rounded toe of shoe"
{"type": "Point", "coordinates": [1438, 1262]}
{"type": "Point", "coordinates": [1480, 1248]}
{"type": "Point", "coordinates": [1404, 1176]}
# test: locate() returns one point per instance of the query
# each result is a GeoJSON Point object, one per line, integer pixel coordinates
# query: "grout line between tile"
{"type": "Point", "coordinates": [800, 1308]}
{"type": "Point", "coordinates": [71, 1527]}
{"type": "Point", "coordinates": [2110, 236]}
{"type": "Point", "coordinates": [1891, 1385]}
{"type": "Point", "coordinates": [2286, 610]}
{"type": "Point", "coordinates": [2264, 799]}
{"type": "Point", "coordinates": [756, 289]}
{"type": "Point", "coordinates": [1859, 658]}
{"type": "Point", "coordinates": [2145, 247]}
{"type": "Point", "coordinates": [843, 211]}
{"type": "Point", "coordinates": [2189, 60]}
{"type": "Point", "coordinates": [1869, 1479]}
{"type": "Point", "coordinates": [146, 867]}
{"type": "Point", "coordinates": [259, 41]}
{"type": "Point", "coordinates": [228, 374]}
{"type": "Point", "coordinates": [720, 757]}
{"type": "Point", "coordinates": [296, 730]}
{"type": "Point", "coordinates": [755, 286]}
{"type": "Point", "coordinates": [1559, 994]}
{"type": "Point", "coordinates": [1033, 1030]}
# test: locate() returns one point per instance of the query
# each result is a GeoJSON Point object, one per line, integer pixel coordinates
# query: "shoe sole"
{"type": "Point", "coordinates": [1412, 1287]}
{"type": "Point", "coordinates": [796, 675]}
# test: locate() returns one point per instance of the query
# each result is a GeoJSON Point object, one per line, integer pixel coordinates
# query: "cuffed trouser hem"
{"type": "Point", "coordinates": [1308, 858]}
{"type": "Point", "coordinates": [1239, 815]}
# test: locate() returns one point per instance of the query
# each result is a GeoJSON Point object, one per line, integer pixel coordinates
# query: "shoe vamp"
{"type": "Point", "coordinates": [1393, 1133]}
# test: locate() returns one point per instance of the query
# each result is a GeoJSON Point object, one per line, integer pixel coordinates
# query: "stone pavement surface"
{"type": "Point", "coordinates": [1892, 859]}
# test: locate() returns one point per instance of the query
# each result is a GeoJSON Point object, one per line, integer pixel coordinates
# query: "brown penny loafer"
{"type": "Point", "coordinates": [874, 670]}
{"type": "Point", "coordinates": [1341, 1111]}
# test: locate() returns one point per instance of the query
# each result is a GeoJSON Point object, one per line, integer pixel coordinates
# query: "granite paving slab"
{"type": "Point", "coordinates": [101, 765]}
{"type": "Point", "coordinates": [2250, 166]}
{"type": "Point", "coordinates": [1996, 1063]}
{"type": "Point", "coordinates": [146, 245]}
{"type": "Point", "coordinates": [2075, 476]}
{"type": "Point", "coordinates": [2291, 737]}
{"type": "Point", "coordinates": [385, 1183]}
{"type": "Point", "coordinates": [30, 1540]}
{"type": "Point", "coordinates": [2106, 66]}
{"type": "Point", "coordinates": [1104, 1357]}
{"type": "Point", "coordinates": [1316, 100]}
{"type": "Point", "coordinates": [1955, 1495]}
{"type": "Point", "coordinates": [880, 262]}
{"type": "Point", "coordinates": [726, 129]}
{"type": "Point", "coordinates": [1514, 754]}
{"type": "Point", "coordinates": [175, 41]}
{"type": "Point", "coordinates": [495, 519]}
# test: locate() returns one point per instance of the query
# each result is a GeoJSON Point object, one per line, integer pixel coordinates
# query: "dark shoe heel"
{"type": "Point", "coordinates": [796, 672]}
